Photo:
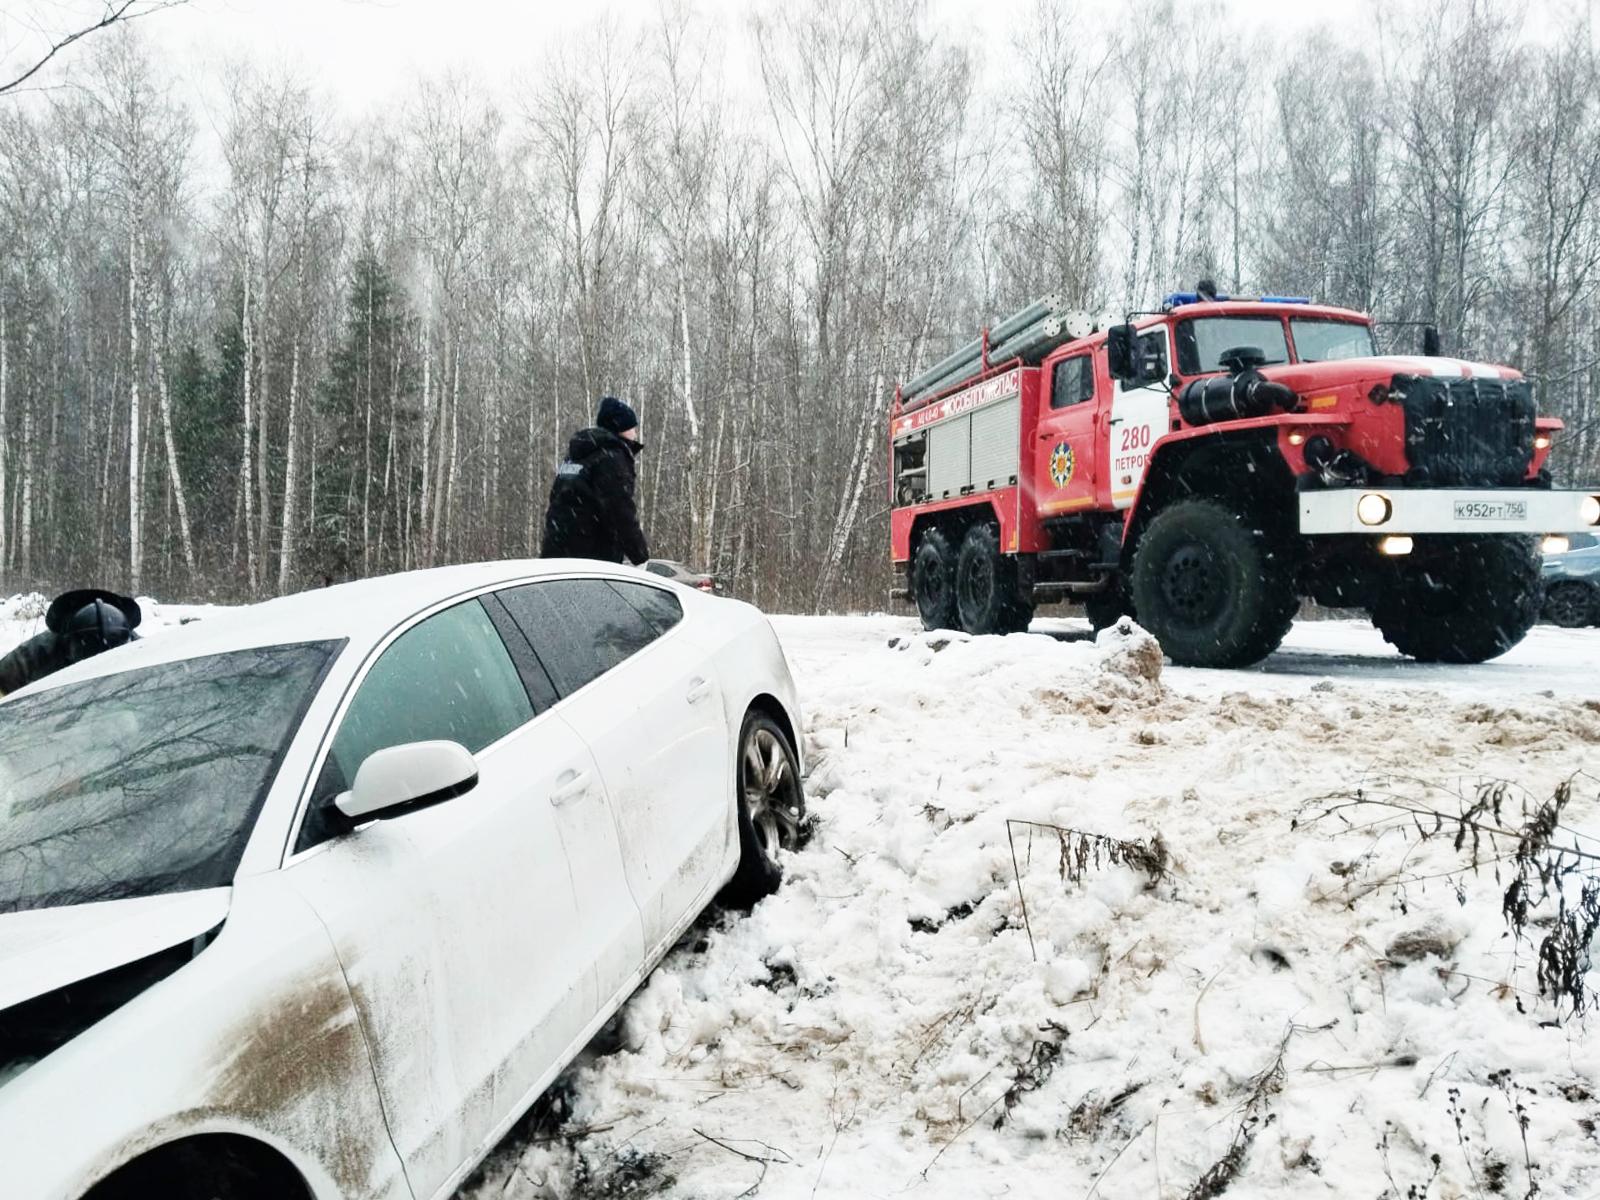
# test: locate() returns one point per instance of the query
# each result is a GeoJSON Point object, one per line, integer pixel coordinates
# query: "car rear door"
{"type": "Point", "coordinates": [460, 927]}
{"type": "Point", "coordinates": [645, 697]}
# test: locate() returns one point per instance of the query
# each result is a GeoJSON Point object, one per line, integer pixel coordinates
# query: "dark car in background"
{"type": "Point", "coordinates": [1572, 583]}
{"type": "Point", "coordinates": [679, 573]}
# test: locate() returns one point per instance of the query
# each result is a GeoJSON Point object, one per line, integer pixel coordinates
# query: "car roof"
{"type": "Point", "coordinates": [361, 613]}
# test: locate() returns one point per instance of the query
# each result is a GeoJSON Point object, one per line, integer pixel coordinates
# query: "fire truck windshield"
{"type": "Point", "coordinates": [1203, 341]}
{"type": "Point", "coordinates": [1324, 341]}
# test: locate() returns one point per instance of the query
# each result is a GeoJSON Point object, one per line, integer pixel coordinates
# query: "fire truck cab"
{"type": "Point", "coordinates": [1207, 466]}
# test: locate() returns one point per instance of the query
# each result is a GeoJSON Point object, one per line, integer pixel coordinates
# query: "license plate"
{"type": "Point", "coordinates": [1491, 510]}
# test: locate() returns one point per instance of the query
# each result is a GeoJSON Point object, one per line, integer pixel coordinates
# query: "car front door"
{"type": "Point", "coordinates": [1141, 413]}
{"type": "Point", "coordinates": [1064, 460]}
{"type": "Point", "coordinates": [459, 926]}
{"type": "Point", "coordinates": [644, 697]}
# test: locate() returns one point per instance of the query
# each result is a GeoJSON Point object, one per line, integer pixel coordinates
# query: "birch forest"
{"type": "Point", "coordinates": [264, 343]}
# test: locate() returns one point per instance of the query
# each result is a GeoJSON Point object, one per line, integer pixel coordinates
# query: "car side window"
{"type": "Point", "coordinates": [580, 628]}
{"type": "Point", "coordinates": [661, 569]}
{"type": "Point", "coordinates": [656, 605]}
{"type": "Point", "coordinates": [1072, 382]}
{"type": "Point", "coordinates": [448, 678]}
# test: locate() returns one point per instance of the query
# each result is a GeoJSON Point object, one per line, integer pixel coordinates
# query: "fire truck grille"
{"type": "Point", "coordinates": [1467, 432]}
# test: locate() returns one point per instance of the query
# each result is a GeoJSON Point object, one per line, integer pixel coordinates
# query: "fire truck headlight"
{"type": "Point", "coordinates": [1396, 544]}
{"type": "Point", "coordinates": [1374, 509]}
{"type": "Point", "coordinates": [1542, 441]}
{"type": "Point", "coordinates": [1589, 510]}
{"type": "Point", "coordinates": [1319, 451]}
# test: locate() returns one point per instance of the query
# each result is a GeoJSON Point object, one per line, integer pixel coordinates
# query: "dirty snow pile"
{"type": "Point", "coordinates": [1069, 924]}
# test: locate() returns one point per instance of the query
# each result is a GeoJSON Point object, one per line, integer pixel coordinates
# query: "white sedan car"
{"type": "Point", "coordinates": [313, 899]}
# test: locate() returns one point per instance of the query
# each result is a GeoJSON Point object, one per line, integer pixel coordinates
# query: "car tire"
{"type": "Point", "coordinates": [1570, 604]}
{"type": "Point", "coordinates": [771, 809]}
{"type": "Point", "coordinates": [1464, 600]}
{"type": "Point", "coordinates": [211, 1167]}
{"type": "Point", "coordinates": [1214, 591]}
{"type": "Point", "coordinates": [933, 580]}
{"type": "Point", "coordinates": [988, 593]}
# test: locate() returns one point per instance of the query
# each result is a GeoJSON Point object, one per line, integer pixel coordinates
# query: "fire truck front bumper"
{"type": "Point", "coordinates": [1384, 511]}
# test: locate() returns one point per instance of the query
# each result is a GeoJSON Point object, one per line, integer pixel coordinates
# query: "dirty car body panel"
{"type": "Point", "coordinates": [377, 1002]}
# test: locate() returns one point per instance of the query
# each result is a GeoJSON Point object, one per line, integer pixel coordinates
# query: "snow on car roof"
{"type": "Point", "coordinates": [361, 612]}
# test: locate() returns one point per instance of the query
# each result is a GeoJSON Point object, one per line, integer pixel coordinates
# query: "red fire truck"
{"type": "Point", "coordinates": [1205, 467]}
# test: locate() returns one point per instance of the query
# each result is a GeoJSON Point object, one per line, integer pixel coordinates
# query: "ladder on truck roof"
{"type": "Point", "coordinates": [1027, 334]}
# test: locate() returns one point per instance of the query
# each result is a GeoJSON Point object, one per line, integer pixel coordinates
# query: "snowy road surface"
{"type": "Point", "coordinates": [950, 998]}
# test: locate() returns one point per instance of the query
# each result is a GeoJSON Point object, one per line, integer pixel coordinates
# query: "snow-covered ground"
{"type": "Point", "coordinates": [941, 1002]}
{"type": "Point", "coordinates": [891, 1023]}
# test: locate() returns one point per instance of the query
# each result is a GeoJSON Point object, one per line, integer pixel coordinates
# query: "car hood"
{"type": "Point", "coordinates": [42, 949]}
{"type": "Point", "coordinates": [1573, 562]}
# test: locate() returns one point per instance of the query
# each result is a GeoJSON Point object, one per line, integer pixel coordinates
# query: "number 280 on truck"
{"type": "Point", "coordinates": [1206, 467]}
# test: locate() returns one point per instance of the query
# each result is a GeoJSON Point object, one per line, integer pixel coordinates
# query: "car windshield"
{"type": "Point", "coordinates": [1325, 341]}
{"type": "Point", "coordinates": [1202, 341]}
{"type": "Point", "coordinates": [147, 781]}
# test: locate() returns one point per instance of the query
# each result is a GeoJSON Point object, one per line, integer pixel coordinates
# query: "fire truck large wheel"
{"type": "Point", "coordinates": [988, 597]}
{"type": "Point", "coordinates": [1211, 588]}
{"type": "Point", "coordinates": [933, 581]}
{"type": "Point", "coordinates": [1462, 599]}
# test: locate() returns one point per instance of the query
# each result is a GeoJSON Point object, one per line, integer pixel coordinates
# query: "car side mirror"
{"type": "Point", "coordinates": [402, 779]}
{"type": "Point", "coordinates": [1120, 362]}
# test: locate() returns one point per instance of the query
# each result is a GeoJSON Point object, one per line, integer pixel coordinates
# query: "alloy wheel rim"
{"type": "Point", "coordinates": [769, 782]}
{"type": "Point", "coordinates": [1567, 606]}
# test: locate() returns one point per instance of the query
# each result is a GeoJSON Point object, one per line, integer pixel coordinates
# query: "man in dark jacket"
{"type": "Point", "coordinates": [78, 625]}
{"type": "Point", "coordinates": [592, 512]}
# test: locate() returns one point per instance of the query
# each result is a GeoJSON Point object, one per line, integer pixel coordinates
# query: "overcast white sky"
{"type": "Point", "coordinates": [364, 51]}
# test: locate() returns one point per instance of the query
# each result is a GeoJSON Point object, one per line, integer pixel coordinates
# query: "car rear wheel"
{"type": "Point", "coordinates": [771, 809]}
{"type": "Point", "coordinates": [207, 1167]}
{"type": "Point", "coordinates": [1570, 604]}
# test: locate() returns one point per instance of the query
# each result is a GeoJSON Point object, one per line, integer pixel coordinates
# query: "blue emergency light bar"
{"type": "Point", "coordinates": [1177, 299]}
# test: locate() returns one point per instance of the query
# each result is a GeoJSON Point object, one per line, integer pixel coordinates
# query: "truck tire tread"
{"type": "Point", "coordinates": [1260, 603]}
{"type": "Point", "coordinates": [998, 607]}
{"type": "Point", "coordinates": [936, 605]}
{"type": "Point", "coordinates": [1473, 599]}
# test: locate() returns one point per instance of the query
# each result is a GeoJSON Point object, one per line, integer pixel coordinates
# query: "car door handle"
{"type": "Point", "coordinates": [699, 689]}
{"type": "Point", "coordinates": [570, 785]}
